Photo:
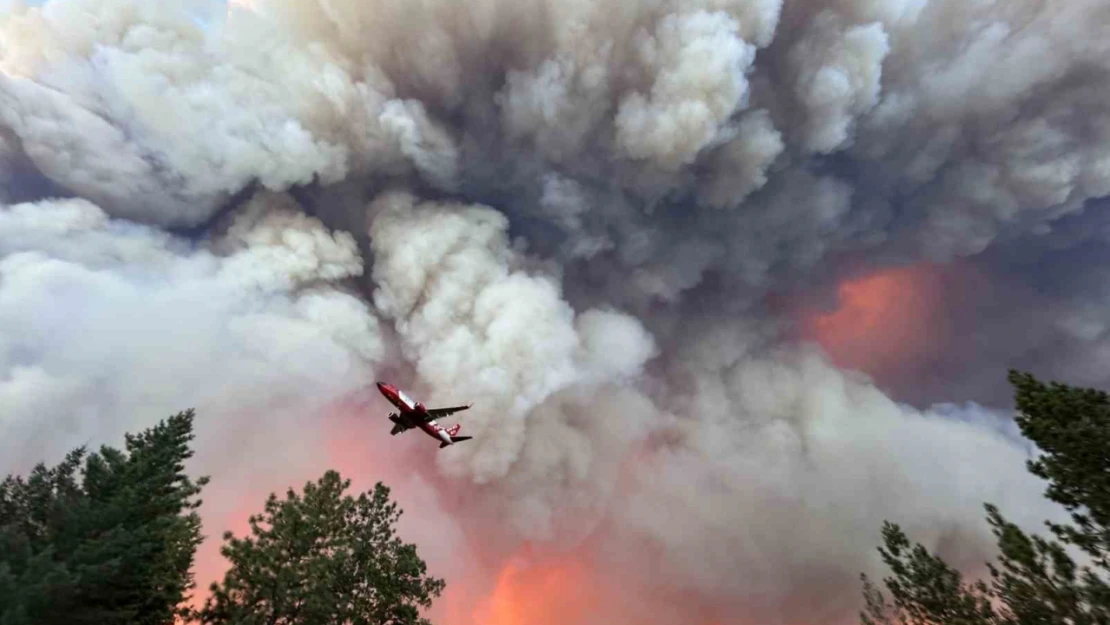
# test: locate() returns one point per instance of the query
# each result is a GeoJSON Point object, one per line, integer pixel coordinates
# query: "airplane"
{"type": "Point", "coordinates": [413, 414]}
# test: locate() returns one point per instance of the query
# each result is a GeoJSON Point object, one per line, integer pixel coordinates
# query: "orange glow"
{"type": "Point", "coordinates": [886, 320]}
{"type": "Point", "coordinates": [552, 593]}
{"type": "Point", "coordinates": [210, 565]}
{"type": "Point", "coordinates": [573, 588]}
{"type": "Point", "coordinates": [344, 443]}
{"type": "Point", "coordinates": [490, 587]}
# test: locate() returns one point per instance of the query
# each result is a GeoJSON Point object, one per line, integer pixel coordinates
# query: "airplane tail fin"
{"type": "Point", "coordinates": [456, 439]}
{"type": "Point", "coordinates": [452, 431]}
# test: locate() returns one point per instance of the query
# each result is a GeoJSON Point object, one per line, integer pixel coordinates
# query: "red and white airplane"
{"type": "Point", "coordinates": [413, 414]}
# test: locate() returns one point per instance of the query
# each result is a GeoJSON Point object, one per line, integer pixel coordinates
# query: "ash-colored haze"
{"type": "Point", "coordinates": [571, 214]}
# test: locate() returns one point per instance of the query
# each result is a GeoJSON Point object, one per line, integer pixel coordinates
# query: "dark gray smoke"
{"type": "Point", "coordinates": [584, 217]}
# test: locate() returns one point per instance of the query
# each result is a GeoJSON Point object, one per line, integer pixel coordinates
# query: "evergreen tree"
{"type": "Point", "coordinates": [323, 558]}
{"type": "Point", "coordinates": [1035, 580]}
{"type": "Point", "coordinates": [115, 546]}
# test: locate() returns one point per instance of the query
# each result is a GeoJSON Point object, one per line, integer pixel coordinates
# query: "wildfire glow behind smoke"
{"type": "Point", "coordinates": [540, 594]}
{"type": "Point", "coordinates": [582, 196]}
{"type": "Point", "coordinates": [885, 322]}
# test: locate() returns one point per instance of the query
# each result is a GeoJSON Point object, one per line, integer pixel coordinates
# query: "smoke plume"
{"type": "Point", "coordinates": [729, 282]}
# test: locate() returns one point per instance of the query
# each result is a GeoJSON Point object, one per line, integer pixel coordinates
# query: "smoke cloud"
{"type": "Point", "coordinates": [612, 226]}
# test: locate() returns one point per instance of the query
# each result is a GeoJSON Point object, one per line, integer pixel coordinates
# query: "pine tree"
{"type": "Point", "coordinates": [1035, 580]}
{"type": "Point", "coordinates": [115, 547]}
{"type": "Point", "coordinates": [323, 557]}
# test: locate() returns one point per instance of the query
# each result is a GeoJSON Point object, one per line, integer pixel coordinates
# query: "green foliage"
{"type": "Point", "coordinates": [115, 546]}
{"type": "Point", "coordinates": [109, 538]}
{"type": "Point", "coordinates": [924, 588]}
{"type": "Point", "coordinates": [322, 558]}
{"type": "Point", "coordinates": [1035, 580]}
{"type": "Point", "coordinates": [1072, 427]}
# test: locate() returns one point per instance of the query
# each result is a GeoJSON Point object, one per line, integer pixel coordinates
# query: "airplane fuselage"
{"type": "Point", "coordinates": [413, 414]}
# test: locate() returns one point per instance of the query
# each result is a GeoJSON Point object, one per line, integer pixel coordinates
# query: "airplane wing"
{"type": "Point", "coordinates": [437, 413]}
{"type": "Point", "coordinates": [398, 425]}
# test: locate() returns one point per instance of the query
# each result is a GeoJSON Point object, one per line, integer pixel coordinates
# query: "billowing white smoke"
{"type": "Point", "coordinates": [568, 213]}
{"type": "Point", "coordinates": [472, 321]}
{"type": "Point", "coordinates": [109, 326]}
{"type": "Point", "coordinates": [797, 465]}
